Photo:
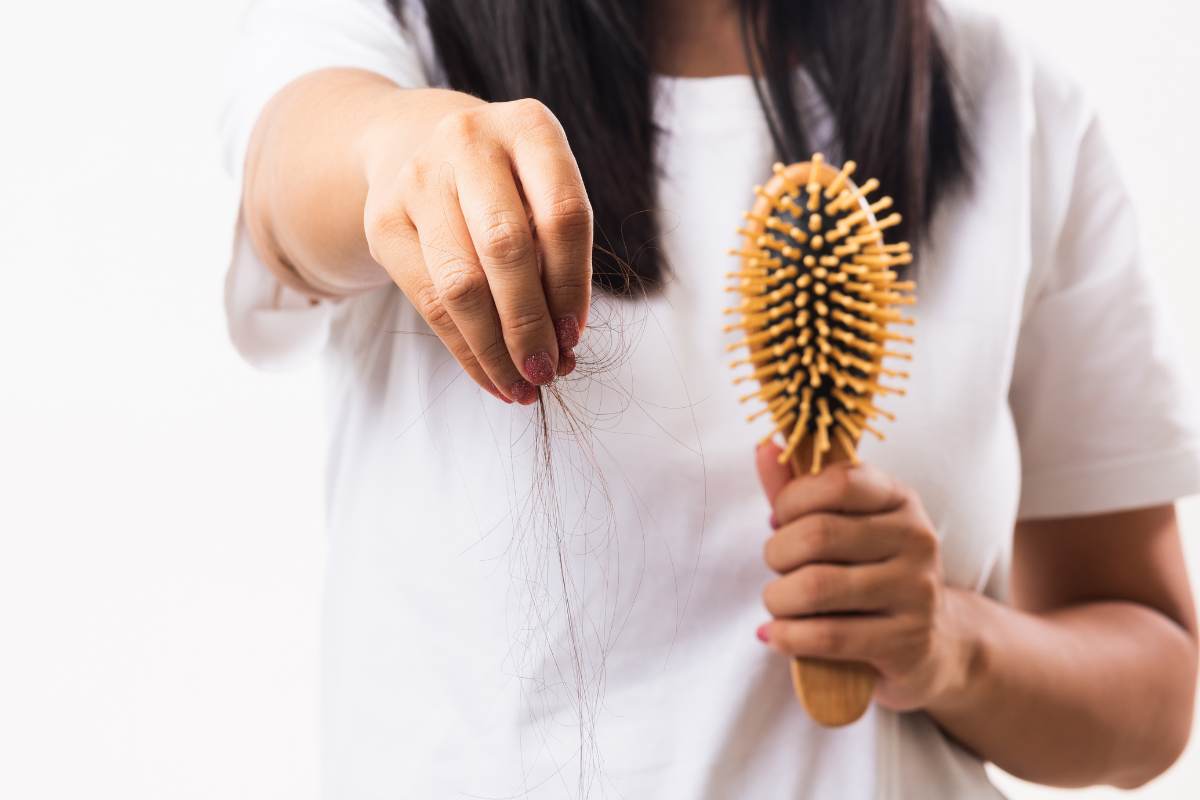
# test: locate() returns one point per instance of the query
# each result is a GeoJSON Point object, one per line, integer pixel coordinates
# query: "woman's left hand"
{"type": "Point", "coordinates": [860, 580]}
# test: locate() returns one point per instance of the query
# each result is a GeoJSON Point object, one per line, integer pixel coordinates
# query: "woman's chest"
{"type": "Point", "coordinates": [667, 391]}
{"type": "Point", "coordinates": [648, 437]}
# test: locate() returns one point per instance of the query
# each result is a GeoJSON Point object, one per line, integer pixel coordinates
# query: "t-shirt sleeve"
{"type": "Point", "coordinates": [273, 325]}
{"type": "Point", "coordinates": [1105, 414]}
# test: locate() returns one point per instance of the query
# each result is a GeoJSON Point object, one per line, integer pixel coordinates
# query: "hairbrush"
{"type": "Point", "coordinates": [819, 291]}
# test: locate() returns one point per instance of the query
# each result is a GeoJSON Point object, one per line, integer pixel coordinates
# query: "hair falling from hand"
{"type": "Point", "coordinates": [878, 66]}
{"type": "Point", "coordinates": [555, 546]}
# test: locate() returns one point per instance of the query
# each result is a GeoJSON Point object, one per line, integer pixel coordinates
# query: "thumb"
{"type": "Point", "coordinates": [773, 475]}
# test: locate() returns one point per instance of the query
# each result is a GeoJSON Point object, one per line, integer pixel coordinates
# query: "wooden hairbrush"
{"type": "Point", "coordinates": [819, 290]}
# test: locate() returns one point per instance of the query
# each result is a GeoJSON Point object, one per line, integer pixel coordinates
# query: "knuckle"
{"type": "Point", "coordinates": [818, 587]}
{"type": "Point", "coordinates": [531, 111]}
{"type": "Point", "coordinates": [771, 597]}
{"type": "Point", "coordinates": [844, 481]}
{"type": "Point", "coordinates": [462, 286]}
{"type": "Point", "coordinates": [429, 305]}
{"type": "Point", "coordinates": [495, 352]}
{"type": "Point", "coordinates": [383, 221]}
{"type": "Point", "coordinates": [460, 126]}
{"type": "Point", "coordinates": [819, 533]}
{"type": "Point", "coordinates": [535, 124]}
{"type": "Point", "coordinates": [438, 318]}
{"type": "Point", "coordinates": [568, 215]}
{"type": "Point", "coordinates": [525, 323]}
{"type": "Point", "coordinates": [468, 361]}
{"type": "Point", "coordinates": [505, 240]}
{"type": "Point", "coordinates": [925, 541]}
{"type": "Point", "coordinates": [413, 173]}
{"type": "Point", "coordinates": [828, 638]}
{"type": "Point", "coordinates": [773, 553]}
{"type": "Point", "coordinates": [572, 282]}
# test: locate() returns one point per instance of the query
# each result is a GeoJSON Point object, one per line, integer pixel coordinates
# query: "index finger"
{"type": "Point", "coordinates": [496, 222]}
{"type": "Point", "coordinates": [562, 221]}
{"type": "Point", "coordinates": [839, 489]}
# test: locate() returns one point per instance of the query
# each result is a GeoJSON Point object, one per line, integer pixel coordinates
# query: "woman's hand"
{"type": "Point", "coordinates": [860, 580]}
{"type": "Point", "coordinates": [486, 227]}
{"type": "Point", "coordinates": [476, 210]}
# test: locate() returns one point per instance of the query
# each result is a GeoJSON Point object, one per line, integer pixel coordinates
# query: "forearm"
{"type": "Point", "coordinates": [1092, 693]}
{"type": "Point", "coordinates": [307, 170]}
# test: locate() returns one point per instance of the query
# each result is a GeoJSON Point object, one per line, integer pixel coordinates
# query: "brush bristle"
{"type": "Point", "coordinates": [819, 291]}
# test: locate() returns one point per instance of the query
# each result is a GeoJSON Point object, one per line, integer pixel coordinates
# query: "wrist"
{"type": "Point", "coordinates": [964, 617]}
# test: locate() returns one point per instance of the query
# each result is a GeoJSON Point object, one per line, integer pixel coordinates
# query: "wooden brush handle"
{"type": "Point", "coordinates": [834, 693]}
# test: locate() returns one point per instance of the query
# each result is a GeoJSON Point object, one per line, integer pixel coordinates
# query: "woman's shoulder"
{"type": "Point", "coordinates": [999, 67]}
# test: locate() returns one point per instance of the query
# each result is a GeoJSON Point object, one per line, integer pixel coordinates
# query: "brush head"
{"type": "Point", "coordinates": [819, 291]}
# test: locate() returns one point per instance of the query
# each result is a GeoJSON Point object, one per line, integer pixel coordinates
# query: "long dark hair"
{"type": "Point", "coordinates": [878, 65]}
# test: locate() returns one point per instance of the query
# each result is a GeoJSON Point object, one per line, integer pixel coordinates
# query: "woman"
{"type": "Point", "coordinates": [461, 202]}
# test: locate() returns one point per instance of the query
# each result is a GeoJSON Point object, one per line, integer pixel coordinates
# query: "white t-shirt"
{"type": "Point", "coordinates": [494, 629]}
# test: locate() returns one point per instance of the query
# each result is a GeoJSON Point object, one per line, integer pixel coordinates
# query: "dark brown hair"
{"type": "Point", "coordinates": [878, 65]}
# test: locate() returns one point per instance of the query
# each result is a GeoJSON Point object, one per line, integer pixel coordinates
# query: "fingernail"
{"type": "Point", "coordinates": [566, 361]}
{"type": "Point", "coordinates": [539, 369]}
{"type": "Point", "coordinates": [567, 331]}
{"type": "Point", "coordinates": [774, 521]}
{"type": "Point", "coordinates": [761, 633]}
{"type": "Point", "coordinates": [523, 392]}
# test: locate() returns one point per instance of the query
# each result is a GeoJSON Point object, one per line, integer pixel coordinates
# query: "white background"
{"type": "Point", "coordinates": [160, 503]}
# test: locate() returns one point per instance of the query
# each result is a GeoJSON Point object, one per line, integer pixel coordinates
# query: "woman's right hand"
{"type": "Point", "coordinates": [487, 230]}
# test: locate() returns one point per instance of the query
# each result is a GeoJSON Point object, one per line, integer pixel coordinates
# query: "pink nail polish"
{"type": "Point", "coordinates": [523, 392]}
{"type": "Point", "coordinates": [566, 362]}
{"type": "Point", "coordinates": [761, 633]}
{"type": "Point", "coordinates": [774, 522]}
{"type": "Point", "coordinates": [539, 369]}
{"type": "Point", "coordinates": [567, 331]}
